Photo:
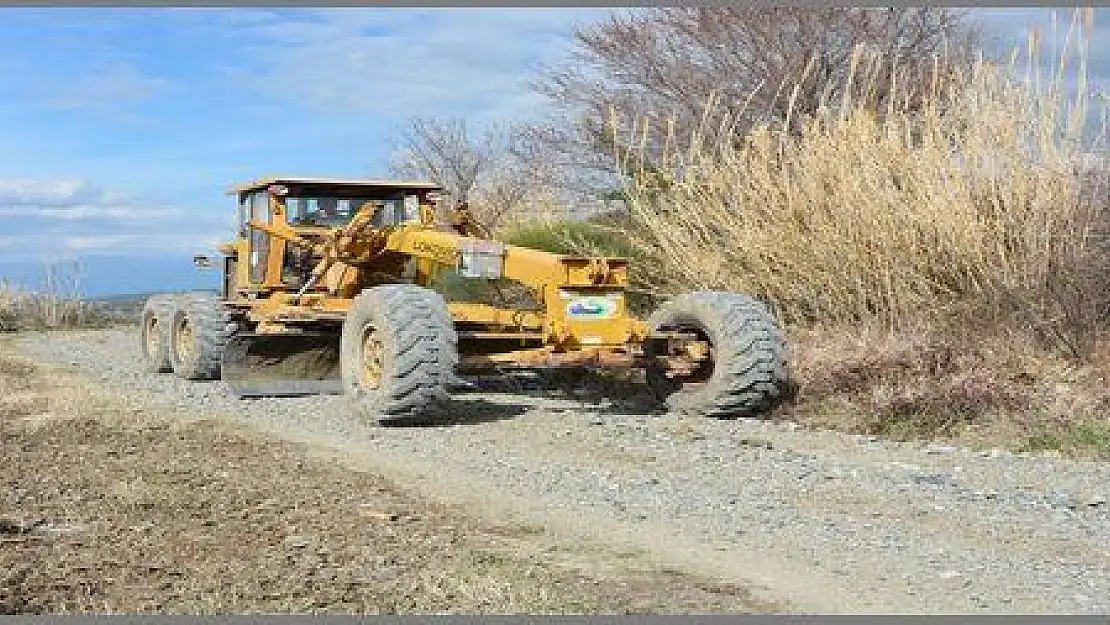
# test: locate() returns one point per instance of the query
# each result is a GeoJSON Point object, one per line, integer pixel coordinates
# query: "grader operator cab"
{"type": "Point", "coordinates": [338, 286]}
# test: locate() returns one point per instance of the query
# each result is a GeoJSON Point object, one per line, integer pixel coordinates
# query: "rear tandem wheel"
{"type": "Point", "coordinates": [155, 333]}
{"type": "Point", "coordinates": [198, 334]}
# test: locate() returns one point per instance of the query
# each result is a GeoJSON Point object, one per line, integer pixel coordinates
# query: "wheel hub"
{"type": "Point", "coordinates": [184, 343]}
{"type": "Point", "coordinates": [693, 363]}
{"type": "Point", "coordinates": [373, 352]}
{"type": "Point", "coordinates": [153, 338]}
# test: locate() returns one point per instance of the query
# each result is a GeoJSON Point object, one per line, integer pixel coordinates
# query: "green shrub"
{"type": "Point", "coordinates": [573, 237]}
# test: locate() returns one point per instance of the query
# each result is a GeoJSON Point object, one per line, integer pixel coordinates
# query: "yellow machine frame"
{"type": "Point", "coordinates": [360, 254]}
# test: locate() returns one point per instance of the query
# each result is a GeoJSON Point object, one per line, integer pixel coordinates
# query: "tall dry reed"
{"type": "Point", "coordinates": [982, 189]}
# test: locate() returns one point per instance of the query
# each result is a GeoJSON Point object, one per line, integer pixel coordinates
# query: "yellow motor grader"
{"type": "Point", "coordinates": [365, 288]}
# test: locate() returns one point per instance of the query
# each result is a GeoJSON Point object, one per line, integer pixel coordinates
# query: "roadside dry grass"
{"type": "Point", "coordinates": [23, 309]}
{"type": "Point", "coordinates": [971, 385]}
{"type": "Point", "coordinates": [105, 508]}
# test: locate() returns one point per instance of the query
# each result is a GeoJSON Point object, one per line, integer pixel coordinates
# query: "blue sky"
{"type": "Point", "coordinates": [120, 129]}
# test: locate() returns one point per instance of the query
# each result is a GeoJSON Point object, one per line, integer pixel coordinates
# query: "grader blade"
{"type": "Point", "coordinates": [282, 365]}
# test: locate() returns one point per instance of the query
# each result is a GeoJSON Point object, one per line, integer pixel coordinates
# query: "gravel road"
{"type": "Point", "coordinates": [815, 521]}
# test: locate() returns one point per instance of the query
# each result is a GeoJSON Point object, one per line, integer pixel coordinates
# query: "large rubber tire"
{"type": "Point", "coordinates": [412, 331]}
{"type": "Point", "coordinates": [157, 316]}
{"type": "Point", "coordinates": [748, 370]}
{"type": "Point", "coordinates": [197, 353]}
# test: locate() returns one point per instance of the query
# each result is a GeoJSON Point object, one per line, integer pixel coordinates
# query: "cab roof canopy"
{"type": "Point", "coordinates": [336, 186]}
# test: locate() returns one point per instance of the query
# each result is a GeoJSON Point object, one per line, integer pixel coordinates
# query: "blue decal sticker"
{"type": "Point", "coordinates": [597, 307]}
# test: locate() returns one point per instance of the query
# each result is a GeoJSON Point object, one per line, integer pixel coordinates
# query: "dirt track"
{"type": "Point", "coordinates": [112, 502]}
{"type": "Point", "coordinates": [679, 514]}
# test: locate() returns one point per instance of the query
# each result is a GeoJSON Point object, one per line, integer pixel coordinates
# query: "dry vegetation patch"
{"type": "Point", "coordinates": [986, 389]}
{"type": "Point", "coordinates": [25, 309]}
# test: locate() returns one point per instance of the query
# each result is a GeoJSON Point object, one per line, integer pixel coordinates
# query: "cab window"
{"type": "Point", "coordinates": [332, 211]}
{"type": "Point", "coordinates": [321, 211]}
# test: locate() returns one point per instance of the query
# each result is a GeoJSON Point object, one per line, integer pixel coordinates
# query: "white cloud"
{"type": "Point", "coordinates": [470, 62]}
{"type": "Point", "coordinates": [129, 243]}
{"type": "Point", "coordinates": [92, 212]}
{"type": "Point", "coordinates": [99, 242]}
{"type": "Point", "coordinates": [45, 218]}
{"type": "Point", "coordinates": [72, 201]}
{"type": "Point", "coordinates": [111, 90]}
{"type": "Point", "coordinates": [47, 193]}
{"type": "Point", "coordinates": [44, 245]}
{"type": "Point", "coordinates": [48, 246]}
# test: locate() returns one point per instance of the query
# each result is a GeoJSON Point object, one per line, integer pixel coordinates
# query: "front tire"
{"type": "Point", "coordinates": [747, 370]}
{"type": "Point", "coordinates": [398, 353]}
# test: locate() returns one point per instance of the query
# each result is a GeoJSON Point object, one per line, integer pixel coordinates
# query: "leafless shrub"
{"type": "Point", "coordinates": [475, 168]}
{"type": "Point", "coordinates": [759, 65]}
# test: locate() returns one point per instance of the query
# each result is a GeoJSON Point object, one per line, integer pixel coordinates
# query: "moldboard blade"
{"type": "Point", "coordinates": [282, 365]}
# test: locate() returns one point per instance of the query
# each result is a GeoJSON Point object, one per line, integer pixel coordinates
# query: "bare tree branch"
{"type": "Point", "coordinates": [478, 169]}
{"type": "Point", "coordinates": [662, 65]}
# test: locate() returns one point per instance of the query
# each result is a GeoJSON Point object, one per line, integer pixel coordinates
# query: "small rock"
{"type": "Point", "coordinates": [1094, 501]}
{"type": "Point", "coordinates": [755, 442]}
{"type": "Point", "coordinates": [1061, 500]}
{"type": "Point", "coordinates": [934, 479]}
{"type": "Point", "coordinates": [949, 574]}
{"type": "Point", "coordinates": [381, 516]}
{"type": "Point", "coordinates": [60, 528]}
{"type": "Point", "coordinates": [296, 542]}
{"type": "Point", "coordinates": [940, 449]}
{"type": "Point", "coordinates": [10, 525]}
{"type": "Point", "coordinates": [905, 466]}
